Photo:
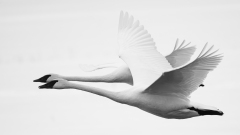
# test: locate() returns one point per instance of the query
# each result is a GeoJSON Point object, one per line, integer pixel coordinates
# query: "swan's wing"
{"type": "Point", "coordinates": [181, 54]}
{"type": "Point", "coordinates": [185, 80]}
{"type": "Point", "coordinates": [138, 51]}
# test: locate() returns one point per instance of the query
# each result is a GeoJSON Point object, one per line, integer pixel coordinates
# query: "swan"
{"type": "Point", "coordinates": [180, 55]}
{"type": "Point", "coordinates": [158, 87]}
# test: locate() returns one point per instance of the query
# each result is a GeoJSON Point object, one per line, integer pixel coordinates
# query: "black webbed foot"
{"type": "Point", "coordinates": [206, 111]}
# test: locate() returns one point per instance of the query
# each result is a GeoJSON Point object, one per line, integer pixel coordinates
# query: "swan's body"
{"type": "Point", "coordinates": [158, 86]}
{"type": "Point", "coordinates": [180, 55]}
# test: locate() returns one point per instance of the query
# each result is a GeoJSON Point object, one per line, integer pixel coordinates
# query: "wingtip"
{"type": "Point", "coordinates": [185, 46]}
{"type": "Point", "coordinates": [202, 50]}
{"type": "Point", "coordinates": [123, 20]}
{"type": "Point", "coordinates": [208, 52]}
{"type": "Point", "coordinates": [176, 43]}
{"type": "Point", "coordinates": [181, 44]}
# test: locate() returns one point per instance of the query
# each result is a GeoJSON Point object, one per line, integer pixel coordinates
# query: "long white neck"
{"type": "Point", "coordinates": [116, 96]}
{"type": "Point", "coordinates": [104, 78]}
{"type": "Point", "coordinates": [120, 75]}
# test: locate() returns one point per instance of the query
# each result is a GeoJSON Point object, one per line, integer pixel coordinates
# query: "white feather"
{"type": "Point", "coordinates": [138, 50]}
{"type": "Point", "coordinates": [180, 55]}
{"type": "Point", "coordinates": [185, 80]}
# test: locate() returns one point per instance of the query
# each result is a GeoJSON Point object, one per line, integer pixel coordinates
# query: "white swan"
{"type": "Point", "coordinates": [180, 55]}
{"type": "Point", "coordinates": [158, 88]}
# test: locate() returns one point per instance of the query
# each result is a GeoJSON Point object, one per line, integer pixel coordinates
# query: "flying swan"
{"type": "Point", "coordinates": [160, 85]}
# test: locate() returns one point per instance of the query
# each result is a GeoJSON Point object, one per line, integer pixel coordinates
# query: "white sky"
{"type": "Point", "coordinates": [51, 36]}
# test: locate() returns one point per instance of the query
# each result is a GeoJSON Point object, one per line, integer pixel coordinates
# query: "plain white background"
{"type": "Point", "coordinates": [51, 36]}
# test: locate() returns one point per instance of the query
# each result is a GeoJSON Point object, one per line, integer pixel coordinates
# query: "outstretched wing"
{"type": "Point", "coordinates": [187, 79]}
{"type": "Point", "coordinates": [138, 51]}
{"type": "Point", "coordinates": [181, 54]}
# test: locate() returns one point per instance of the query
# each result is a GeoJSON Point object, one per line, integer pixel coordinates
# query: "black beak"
{"type": "Point", "coordinates": [48, 85]}
{"type": "Point", "coordinates": [220, 113]}
{"type": "Point", "coordinates": [42, 79]}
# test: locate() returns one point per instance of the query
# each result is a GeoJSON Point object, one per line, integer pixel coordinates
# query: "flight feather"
{"type": "Point", "coordinates": [138, 51]}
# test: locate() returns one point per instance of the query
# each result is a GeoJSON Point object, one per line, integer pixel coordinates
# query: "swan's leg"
{"type": "Point", "coordinates": [122, 74]}
{"type": "Point", "coordinates": [120, 97]}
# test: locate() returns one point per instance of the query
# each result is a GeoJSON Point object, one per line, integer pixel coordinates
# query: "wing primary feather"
{"type": "Point", "coordinates": [202, 50]}
{"type": "Point", "coordinates": [132, 31]}
{"type": "Point", "coordinates": [144, 37]}
{"type": "Point", "coordinates": [175, 47]}
{"type": "Point", "coordinates": [181, 44]}
{"type": "Point", "coordinates": [207, 51]}
{"type": "Point", "coordinates": [210, 54]}
{"type": "Point", "coordinates": [186, 45]}
{"type": "Point", "coordinates": [130, 22]}
{"type": "Point", "coordinates": [135, 29]}
{"type": "Point", "coordinates": [125, 20]}
{"type": "Point", "coordinates": [181, 55]}
{"type": "Point", "coordinates": [120, 21]}
{"type": "Point", "coordinates": [133, 34]}
{"type": "Point", "coordinates": [133, 39]}
{"type": "Point", "coordinates": [144, 40]}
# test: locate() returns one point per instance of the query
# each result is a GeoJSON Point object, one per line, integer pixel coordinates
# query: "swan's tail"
{"type": "Point", "coordinates": [205, 109]}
